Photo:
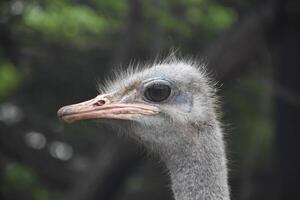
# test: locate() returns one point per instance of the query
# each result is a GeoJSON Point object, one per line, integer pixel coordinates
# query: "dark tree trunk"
{"type": "Point", "coordinates": [287, 104]}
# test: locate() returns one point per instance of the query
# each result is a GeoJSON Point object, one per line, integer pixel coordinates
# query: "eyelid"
{"type": "Point", "coordinates": [157, 79]}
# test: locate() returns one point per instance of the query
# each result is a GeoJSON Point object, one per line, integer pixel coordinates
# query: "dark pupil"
{"type": "Point", "coordinates": [158, 92]}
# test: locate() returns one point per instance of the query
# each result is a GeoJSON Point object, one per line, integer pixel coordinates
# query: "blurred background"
{"type": "Point", "coordinates": [53, 52]}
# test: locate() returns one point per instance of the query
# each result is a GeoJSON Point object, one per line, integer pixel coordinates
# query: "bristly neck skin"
{"type": "Point", "coordinates": [198, 171]}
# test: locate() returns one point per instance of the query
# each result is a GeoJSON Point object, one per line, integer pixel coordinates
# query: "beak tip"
{"type": "Point", "coordinates": [60, 112]}
{"type": "Point", "coordinates": [63, 111]}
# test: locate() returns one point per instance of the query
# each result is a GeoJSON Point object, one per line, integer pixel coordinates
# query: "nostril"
{"type": "Point", "coordinates": [99, 103]}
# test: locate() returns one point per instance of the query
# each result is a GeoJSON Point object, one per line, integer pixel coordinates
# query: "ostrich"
{"type": "Point", "coordinates": [170, 107]}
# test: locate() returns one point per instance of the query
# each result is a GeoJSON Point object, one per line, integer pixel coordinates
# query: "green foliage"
{"type": "Point", "coordinates": [19, 182]}
{"type": "Point", "coordinates": [79, 23]}
{"type": "Point", "coordinates": [192, 16]}
{"type": "Point", "coordinates": [215, 18]}
{"type": "Point", "coordinates": [60, 20]}
{"type": "Point", "coordinates": [249, 102]}
{"type": "Point", "coordinates": [18, 175]}
{"type": "Point", "coordinates": [9, 78]}
{"type": "Point", "coordinates": [112, 9]}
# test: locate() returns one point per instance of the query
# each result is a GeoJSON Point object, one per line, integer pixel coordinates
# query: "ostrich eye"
{"type": "Point", "coordinates": [157, 92]}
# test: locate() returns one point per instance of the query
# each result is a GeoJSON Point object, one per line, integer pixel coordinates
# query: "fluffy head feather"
{"type": "Point", "coordinates": [191, 103]}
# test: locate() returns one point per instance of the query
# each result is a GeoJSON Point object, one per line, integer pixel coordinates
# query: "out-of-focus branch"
{"type": "Point", "coordinates": [110, 168]}
{"type": "Point", "coordinates": [285, 46]}
{"type": "Point", "coordinates": [130, 35]}
{"type": "Point", "coordinates": [231, 53]}
{"type": "Point", "coordinates": [112, 164]}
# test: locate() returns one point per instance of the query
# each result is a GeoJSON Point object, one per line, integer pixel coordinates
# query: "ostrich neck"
{"type": "Point", "coordinates": [198, 171]}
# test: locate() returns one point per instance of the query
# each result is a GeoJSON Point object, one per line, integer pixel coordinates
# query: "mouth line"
{"type": "Point", "coordinates": [112, 108]}
{"type": "Point", "coordinates": [114, 111]}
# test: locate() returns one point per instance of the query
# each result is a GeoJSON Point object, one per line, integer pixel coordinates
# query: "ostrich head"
{"type": "Point", "coordinates": [170, 108]}
{"type": "Point", "coordinates": [152, 104]}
